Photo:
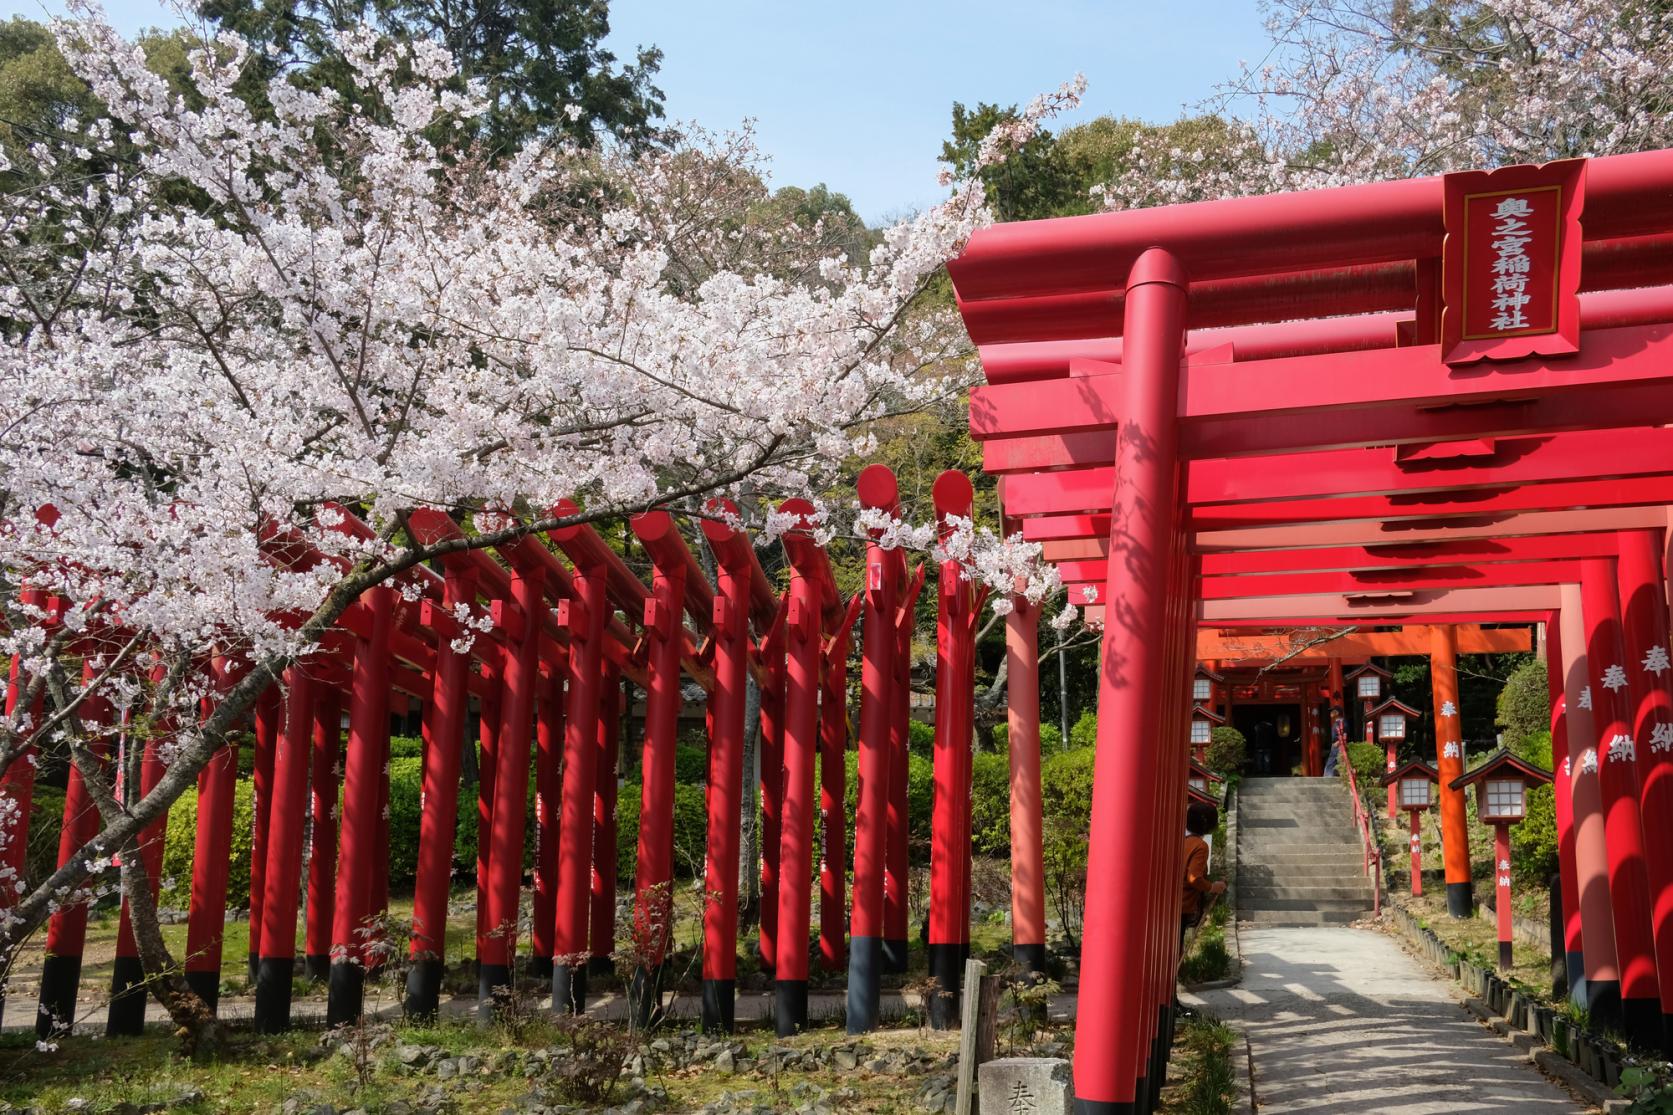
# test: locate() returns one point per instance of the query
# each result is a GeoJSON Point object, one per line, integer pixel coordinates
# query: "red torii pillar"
{"type": "Point", "coordinates": [1028, 873]}
{"type": "Point", "coordinates": [730, 624]}
{"type": "Point", "coordinates": [1563, 797]}
{"type": "Point", "coordinates": [602, 895]}
{"type": "Point", "coordinates": [1449, 761]}
{"type": "Point", "coordinates": [525, 616]}
{"type": "Point", "coordinates": [282, 877]}
{"type": "Point", "coordinates": [66, 934]}
{"type": "Point", "coordinates": [358, 835]}
{"type": "Point", "coordinates": [324, 783]}
{"type": "Point", "coordinates": [548, 791]}
{"type": "Point", "coordinates": [487, 766]}
{"type": "Point", "coordinates": [802, 627]}
{"type": "Point", "coordinates": [653, 902]}
{"type": "Point", "coordinates": [897, 853]}
{"type": "Point", "coordinates": [878, 491]}
{"type": "Point", "coordinates": [1129, 785]}
{"type": "Point", "coordinates": [583, 616]}
{"type": "Point", "coordinates": [125, 1015]}
{"type": "Point", "coordinates": [833, 781]}
{"type": "Point", "coordinates": [1643, 590]}
{"type": "Point", "coordinates": [1629, 889]}
{"type": "Point", "coordinates": [949, 893]}
{"type": "Point", "coordinates": [445, 716]}
{"type": "Point", "coordinates": [269, 713]}
{"type": "Point", "coordinates": [771, 654]}
{"type": "Point", "coordinates": [1600, 990]}
{"type": "Point", "coordinates": [17, 785]}
{"type": "Point", "coordinates": [211, 866]}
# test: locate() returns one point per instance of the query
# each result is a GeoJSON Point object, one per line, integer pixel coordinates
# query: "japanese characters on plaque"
{"type": "Point", "coordinates": [1511, 262]}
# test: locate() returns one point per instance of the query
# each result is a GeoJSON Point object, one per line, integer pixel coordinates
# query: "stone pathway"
{"type": "Point", "coordinates": [1343, 1020]}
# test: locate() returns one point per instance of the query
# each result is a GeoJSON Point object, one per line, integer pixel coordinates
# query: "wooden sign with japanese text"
{"type": "Point", "coordinates": [1511, 262]}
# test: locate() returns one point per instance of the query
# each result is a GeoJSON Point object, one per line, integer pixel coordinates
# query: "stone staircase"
{"type": "Point", "coordinates": [1299, 860]}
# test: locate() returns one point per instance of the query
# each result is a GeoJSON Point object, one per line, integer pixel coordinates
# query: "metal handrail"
{"type": "Point", "coordinates": [1373, 856]}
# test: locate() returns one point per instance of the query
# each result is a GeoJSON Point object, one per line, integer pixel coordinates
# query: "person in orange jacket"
{"type": "Point", "coordinates": [1200, 820]}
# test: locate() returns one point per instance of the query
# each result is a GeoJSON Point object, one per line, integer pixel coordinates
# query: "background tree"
{"type": "Point", "coordinates": [541, 64]}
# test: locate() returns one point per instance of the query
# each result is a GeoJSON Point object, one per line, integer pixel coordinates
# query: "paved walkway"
{"type": "Point", "coordinates": [1343, 1020]}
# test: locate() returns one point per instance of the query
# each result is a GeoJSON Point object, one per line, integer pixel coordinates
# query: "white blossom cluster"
{"type": "Point", "coordinates": [233, 325]}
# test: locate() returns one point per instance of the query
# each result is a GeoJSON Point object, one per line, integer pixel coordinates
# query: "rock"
{"type": "Point", "coordinates": [447, 1068]}
{"type": "Point", "coordinates": [845, 1059]}
{"type": "Point", "coordinates": [878, 1064]}
{"type": "Point", "coordinates": [414, 1055]}
{"type": "Point", "coordinates": [726, 1062]}
{"type": "Point", "coordinates": [1042, 1085]}
{"type": "Point", "coordinates": [76, 1103]}
{"type": "Point", "coordinates": [189, 1097]}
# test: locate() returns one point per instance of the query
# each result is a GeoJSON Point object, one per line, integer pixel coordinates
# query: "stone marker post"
{"type": "Point", "coordinates": [1027, 1086]}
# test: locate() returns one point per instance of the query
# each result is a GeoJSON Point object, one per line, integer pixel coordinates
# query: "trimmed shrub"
{"type": "Point", "coordinates": [1226, 750]}
{"type": "Point", "coordinates": [1370, 763]}
{"type": "Point", "coordinates": [406, 747]}
{"type": "Point", "coordinates": [691, 765]}
{"type": "Point", "coordinates": [1524, 708]}
{"type": "Point", "coordinates": [1051, 738]}
{"type": "Point", "coordinates": [920, 738]}
{"type": "Point", "coordinates": [1084, 732]}
{"type": "Point", "coordinates": [1534, 841]}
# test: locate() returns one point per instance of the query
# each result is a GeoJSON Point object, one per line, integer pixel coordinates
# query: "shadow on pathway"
{"type": "Point", "coordinates": [1343, 1021]}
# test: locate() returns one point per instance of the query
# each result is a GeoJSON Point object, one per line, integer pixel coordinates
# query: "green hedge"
{"type": "Point", "coordinates": [690, 829]}
{"type": "Point", "coordinates": [182, 834]}
{"type": "Point", "coordinates": [1051, 738]}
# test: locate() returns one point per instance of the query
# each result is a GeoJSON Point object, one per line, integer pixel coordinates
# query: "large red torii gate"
{"type": "Point", "coordinates": [1392, 459]}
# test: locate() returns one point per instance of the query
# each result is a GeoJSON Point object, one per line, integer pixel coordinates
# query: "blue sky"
{"type": "Point", "coordinates": [858, 94]}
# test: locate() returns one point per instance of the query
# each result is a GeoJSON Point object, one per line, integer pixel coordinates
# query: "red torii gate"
{"type": "Point", "coordinates": [1421, 425]}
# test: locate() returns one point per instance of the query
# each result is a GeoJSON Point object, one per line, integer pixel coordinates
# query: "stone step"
{"type": "Point", "coordinates": [1288, 818]}
{"type": "Point", "coordinates": [1271, 860]}
{"type": "Point", "coordinates": [1298, 874]}
{"type": "Point", "coordinates": [1287, 837]}
{"type": "Point", "coordinates": [1290, 895]}
{"type": "Point", "coordinates": [1299, 917]}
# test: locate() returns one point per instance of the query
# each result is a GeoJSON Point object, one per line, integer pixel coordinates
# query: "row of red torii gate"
{"type": "Point", "coordinates": [1432, 401]}
{"type": "Point", "coordinates": [538, 647]}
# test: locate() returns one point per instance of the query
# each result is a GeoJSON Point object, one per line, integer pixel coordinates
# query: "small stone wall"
{"type": "Point", "coordinates": [1590, 1066]}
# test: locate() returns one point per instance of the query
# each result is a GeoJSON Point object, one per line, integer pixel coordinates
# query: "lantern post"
{"type": "Point", "coordinates": [1393, 719]}
{"type": "Point", "coordinates": [1502, 782]}
{"type": "Point", "coordinates": [1413, 785]}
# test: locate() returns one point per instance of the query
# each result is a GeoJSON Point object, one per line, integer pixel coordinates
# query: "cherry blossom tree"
{"type": "Point", "coordinates": [224, 331]}
{"type": "Point", "coordinates": [1356, 90]}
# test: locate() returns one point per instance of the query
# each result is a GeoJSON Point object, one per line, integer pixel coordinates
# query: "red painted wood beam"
{"type": "Point", "coordinates": [1479, 602]}
{"type": "Point", "coordinates": [1626, 195]}
{"type": "Point", "coordinates": [1642, 404]}
{"type": "Point", "coordinates": [1475, 551]}
{"type": "Point", "coordinates": [1406, 377]}
{"type": "Point", "coordinates": [1635, 491]}
{"type": "Point", "coordinates": [1370, 533]}
{"type": "Point", "coordinates": [1283, 296]}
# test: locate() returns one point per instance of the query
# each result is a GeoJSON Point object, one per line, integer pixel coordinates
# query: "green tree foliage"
{"type": "Point", "coordinates": [1056, 174]}
{"type": "Point", "coordinates": [535, 60]}
{"type": "Point", "coordinates": [39, 95]}
{"type": "Point", "coordinates": [1524, 707]}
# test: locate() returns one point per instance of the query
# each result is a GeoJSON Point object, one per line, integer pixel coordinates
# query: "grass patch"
{"type": "Point", "coordinates": [1202, 1080]}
